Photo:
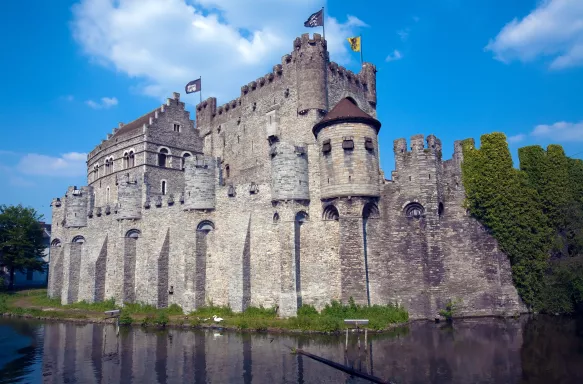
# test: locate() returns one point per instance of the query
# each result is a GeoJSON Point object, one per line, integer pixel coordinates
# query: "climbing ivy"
{"type": "Point", "coordinates": [502, 198]}
{"type": "Point", "coordinates": [535, 213]}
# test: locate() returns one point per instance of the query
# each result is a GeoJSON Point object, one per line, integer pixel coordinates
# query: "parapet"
{"type": "Point", "coordinates": [417, 149]}
{"type": "Point", "coordinates": [304, 41]}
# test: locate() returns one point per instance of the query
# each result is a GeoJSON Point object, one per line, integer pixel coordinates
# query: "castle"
{"type": "Point", "coordinates": [277, 199]}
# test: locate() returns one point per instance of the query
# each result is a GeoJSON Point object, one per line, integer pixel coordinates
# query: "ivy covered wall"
{"type": "Point", "coordinates": [536, 215]}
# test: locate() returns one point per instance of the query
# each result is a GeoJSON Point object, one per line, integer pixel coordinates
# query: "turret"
{"type": "Point", "coordinates": [199, 177]}
{"type": "Point", "coordinates": [289, 172]}
{"type": "Point", "coordinates": [311, 58]}
{"type": "Point", "coordinates": [205, 112]}
{"type": "Point", "coordinates": [77, 206]}
{"type": "Point", "coordinates": [129, 194]}
{"type": "Point", "coordinates": [369, 73]}
{"type": "Point", "coordinates": [349, 157]}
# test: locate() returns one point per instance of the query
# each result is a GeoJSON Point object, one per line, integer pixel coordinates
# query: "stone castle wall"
{"type": "Point", "coordinates": [260, 215]}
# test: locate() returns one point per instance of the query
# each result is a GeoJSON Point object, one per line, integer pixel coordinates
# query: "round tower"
{"type": "Point", "coordinates": [199, 178]}
{"type": "Point", "coordinates": [77, 206]}
{"type": "Point", "coordinates": [349, 158]}
{"type": "Point", "coordinates": [129, 197]}
{"type": "Point", "coordinates": [311, 58]}
{"type": "Point", "coordinates": [289, 172]}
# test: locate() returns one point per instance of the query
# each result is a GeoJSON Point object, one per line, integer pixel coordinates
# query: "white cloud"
{"type": "Point", "coordinates": [68, 98]}
{"type": "Point", "coordinates": [394, 56]}
{"type": "Point", "coordinates": [67, 165]}
{"type": "Point", "coordinates": [554, 29]}
{"type": "Point", "coordinates": [561, 131]}
{"type": "Point", "coordinates": [165, 44]}
{"type": "Point", "coordinates": [403, 34]}
{"type": "Point", "coordinates": [517, 138]}
{"type": "Point", "coordinates": [106, 102]}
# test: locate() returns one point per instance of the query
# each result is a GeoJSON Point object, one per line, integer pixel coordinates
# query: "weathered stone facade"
{"type": "Point", "coordinates": [275, 199]}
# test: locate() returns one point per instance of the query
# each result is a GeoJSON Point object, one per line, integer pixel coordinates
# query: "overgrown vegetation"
{"type": "Point", "coordinates": [330, 319]}
{"type": "Point", "coordinates": [535, 213]}
{"type": "Point", "coordinates": [450, 309]}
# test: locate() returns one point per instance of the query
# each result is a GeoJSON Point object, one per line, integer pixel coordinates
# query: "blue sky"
{"type": "Point", "coordinates": [73, 69]}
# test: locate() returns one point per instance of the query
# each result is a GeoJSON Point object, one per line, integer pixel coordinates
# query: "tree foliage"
{"type": "Point", "coordinates": [502, 198]}
{"type": "Point", "coordinates": [21, 240]}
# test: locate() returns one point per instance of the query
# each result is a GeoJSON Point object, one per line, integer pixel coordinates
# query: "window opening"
{"type": "Point", "coordinates": [162, 157]}
{"type": "Point", "coordinates": [163, 187]}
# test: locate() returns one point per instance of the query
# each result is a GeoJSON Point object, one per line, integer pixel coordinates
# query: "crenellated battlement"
{"type": "Point", "coordinates": [310, 58]}
{"type": "Point", "coordinates": [418, 145]}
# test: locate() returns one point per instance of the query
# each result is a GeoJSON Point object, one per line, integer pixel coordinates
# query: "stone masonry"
{"type": "Point", "coordinates": [277, 199]}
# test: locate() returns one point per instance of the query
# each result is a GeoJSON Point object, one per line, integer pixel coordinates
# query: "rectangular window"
{"type": "Point", "coordinates": [326, 146]}
{"type": "Point", "coordinates": [368, 144]}
{"type": "Point", "coordinates": [348, 143]}
{"type": "Point", "coordinates": [176, 127]}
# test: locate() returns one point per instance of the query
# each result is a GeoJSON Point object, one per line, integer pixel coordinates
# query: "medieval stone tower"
{"type": "Point", "coordinates": [275, 198]}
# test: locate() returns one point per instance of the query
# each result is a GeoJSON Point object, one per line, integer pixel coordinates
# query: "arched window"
{"type": "Point", "coordinates": [275, 218]}
{"type": "Point", "coordinates": [56, 243]}
{"type": "Point", "coordinates": [107, 166]}
{"type": "Point", "coordinates": [227, 171]}
{"type": "Point", "coordinates": [163, 187]}
{"type": "Point", "coordinates": [330, 213]}
{"type": "Point", "coordinates": [126, 160]}
{"type": "Point", "coordinates": [440, 209]}
{"type": "Point", "coordinates": [133, 234]}
{"type": "Point", "coordinates": [205, 226]}
{"type": "Point", "coordinates": [78, 239]}
{"type": "Point", "coordinates": [107, 195]}
{"type": "Point", "coordinates": [371, 210]}
{"type": "Point", "coordinates": [162, 157]}
{"type": "Point", "coordinates": [184, 156]}
{"type": "Point", "coordinates": [111, 165]}
{"type": "Point", "coordinates": [132, 159]}
{"type": "Point", "coordinates": [414, 211]}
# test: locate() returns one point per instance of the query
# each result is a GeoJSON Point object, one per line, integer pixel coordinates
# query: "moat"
{"type": "Point", "coordinates": [540, 350]}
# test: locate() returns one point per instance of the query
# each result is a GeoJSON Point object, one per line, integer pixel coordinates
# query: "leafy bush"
{"type": "Point", "coordinates": [307, 310]}
{"type": "Point", "coordinates": [147, 321]}
{"type": "Point", "coordinates": [162, 319]}
{"type": "Point", "coordinates": [174, 309]}
{"type": "Point", "coordinates": [125, 319]}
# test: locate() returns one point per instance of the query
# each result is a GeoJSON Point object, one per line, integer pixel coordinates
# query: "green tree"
{"type": "Point", "coordinates": [503, 200]}
{"type": "Point", "coordinates": [21, 240]}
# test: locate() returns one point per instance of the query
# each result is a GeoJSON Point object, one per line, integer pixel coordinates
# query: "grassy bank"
{"type": "Point", "coordinates": [35, 303]}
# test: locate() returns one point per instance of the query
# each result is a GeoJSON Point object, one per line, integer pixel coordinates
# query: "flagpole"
{"type": "Point", "coordinates": [200, 92]}
{"type": "Point", "coordinates": [323, 28]}
{"type": "Point", "coordinates": [361, 61]}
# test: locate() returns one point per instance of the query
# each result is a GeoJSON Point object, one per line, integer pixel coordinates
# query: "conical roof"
{"type": "Point", "coordinates": [346, 111]}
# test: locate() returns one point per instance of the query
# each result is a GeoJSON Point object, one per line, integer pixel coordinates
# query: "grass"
{"type": "Point", "coordinates": [329, 319]}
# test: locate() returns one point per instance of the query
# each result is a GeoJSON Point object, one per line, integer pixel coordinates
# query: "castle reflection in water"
{"type": "Point", "coordinates": [476, 351]}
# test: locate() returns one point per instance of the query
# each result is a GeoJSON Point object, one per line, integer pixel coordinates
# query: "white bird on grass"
{"type": "Point", "coordinates": [217, 319]}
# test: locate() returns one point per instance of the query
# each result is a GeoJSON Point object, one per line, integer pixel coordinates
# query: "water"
{"type": "Point", "coordinates": [541, 350]}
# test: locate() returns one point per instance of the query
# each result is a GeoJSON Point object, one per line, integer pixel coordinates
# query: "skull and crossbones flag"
{"type": "Point", "coordinates": [193, 86]}
{"type": "Point", "coordinates": [315, 19]}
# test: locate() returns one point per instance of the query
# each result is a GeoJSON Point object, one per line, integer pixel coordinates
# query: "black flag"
{"type": "Point", "coordinates": [315, 19]}
{"type": "Point", "coordinates": [193, 86]}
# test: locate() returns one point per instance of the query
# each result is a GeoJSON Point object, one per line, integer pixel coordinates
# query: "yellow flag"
{"type": "Point", "coordinates": [354, 43]}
